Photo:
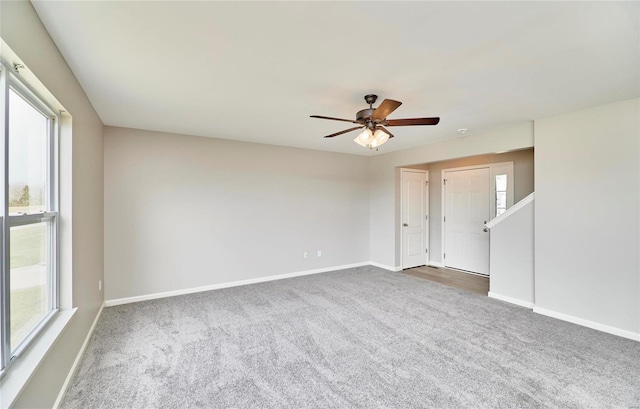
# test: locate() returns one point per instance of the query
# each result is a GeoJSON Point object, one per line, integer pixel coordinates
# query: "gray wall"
{"type": "Point", "coordinates": [81, 201]}
{"type": "Point", "coordinates": [523, 185]}
{"type": "Point", "coordinates": [184, 211]}
{"type": "Point", "coordinates": [586, 214]}
{"type": "Point", "coordinates": [512, 257]}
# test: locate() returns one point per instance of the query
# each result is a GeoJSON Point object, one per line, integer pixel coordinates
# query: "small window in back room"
{"type": "Point", "coordinates": [501, 194]}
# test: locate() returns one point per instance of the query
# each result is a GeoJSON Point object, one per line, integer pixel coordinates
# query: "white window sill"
{"type": "Point", "coordinates": [18, 375]}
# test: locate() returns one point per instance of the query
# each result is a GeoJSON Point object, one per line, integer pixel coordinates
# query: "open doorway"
{"type": "Point", "coordinates": [519, 181]}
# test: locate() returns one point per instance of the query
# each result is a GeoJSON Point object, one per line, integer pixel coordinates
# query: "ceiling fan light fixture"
{"type": "Point", "coordinates": [380, 137]}
{"type": "Point", "coordinates": [365, 138]}
{"type": "Point", "coordinates": [369, 139]}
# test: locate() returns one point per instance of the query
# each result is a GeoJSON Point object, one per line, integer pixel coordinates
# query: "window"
{"type": "Point", "coordinates": [502, 187]}
{"type": "Point", "coordinates": [28, 216]}
{"type": "Point", "coordinates": [501, 194]}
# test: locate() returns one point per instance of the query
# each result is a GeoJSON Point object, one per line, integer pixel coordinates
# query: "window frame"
{"type": "Point", "coordinates": [10, 79]}
{"type": "Point", "coordinates": [502, 168]}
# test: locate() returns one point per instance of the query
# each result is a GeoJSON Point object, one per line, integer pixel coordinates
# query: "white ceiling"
{"type": "Point", "coordinates": [255, 71]}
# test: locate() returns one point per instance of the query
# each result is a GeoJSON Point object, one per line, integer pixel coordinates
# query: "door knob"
{"type": "Point", "coordinates": [405, 224]}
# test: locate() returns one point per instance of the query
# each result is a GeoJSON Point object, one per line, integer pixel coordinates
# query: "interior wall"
{"type": "Point", "coordinates": [82, 193]}
{"type": "Point", "coordinates": [384, 180]}
{"type": "Point", "coordinates": [523, 186]}
{"type": "Point", "coordinates": [512, 256]}
{"type": "Point", "coordinates": [184, 212]}
{"type": "Point", "coordinates": [587, 182]}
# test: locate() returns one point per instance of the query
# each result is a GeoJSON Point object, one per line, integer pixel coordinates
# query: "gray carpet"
{"type": "Point", "coordinates": [358, 338]}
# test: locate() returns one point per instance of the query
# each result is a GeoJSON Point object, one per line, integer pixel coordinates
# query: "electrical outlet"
{"type": "Point", "coordinates": [319, 253]}
{"type": "Point", "coordinates": [305, 255]}
{"type": "Point", "coordinates": [99, 285]}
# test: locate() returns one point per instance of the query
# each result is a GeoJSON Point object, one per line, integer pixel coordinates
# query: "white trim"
{"type": "Point", "coordinates": [436, 264]}
{"type": "Point", "coordinates": [395, 269]}
{"type": "Point", "coordinates": [513, 209]}
{"type": "Point", "coordinates": [427, 227]}
{"type": "Point", "coordinates": [589, 324]}
{"type": "Point", "coordinates": [127, 300]}
{"type": "Point", "coordinates": [511, 300]}
{"type": "Point", "coordinates": [484, 165]}
{"type": "Point", "coordinates": [74, 367]}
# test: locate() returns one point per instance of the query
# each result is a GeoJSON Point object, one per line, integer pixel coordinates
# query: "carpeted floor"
{"type": "Point", "coordinates": [358, 338]}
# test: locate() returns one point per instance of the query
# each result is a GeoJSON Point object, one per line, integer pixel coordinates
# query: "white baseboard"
{"type": "Point", "coordinates": [589, 324]}
{"type": "Point", "coordinates": [435, 264]}
{"type": "Point", "coordinates": [373, 263]}
{"type": "Point", "coordinates": [127, 300]}
{"type": "Point", "coordinates": [516, 301]}
{"type": "Point", "coordinates": [76, 362]}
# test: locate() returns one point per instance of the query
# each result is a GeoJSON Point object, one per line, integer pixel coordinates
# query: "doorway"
{"type": "Point", "coordinates": [471, 196]}
{"type": "Point", "coordinates": [466, 196]}
{"type": "Point", "coordinates": [414, 217]}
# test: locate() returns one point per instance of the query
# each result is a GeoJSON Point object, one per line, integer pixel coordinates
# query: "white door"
{"type": "Point", "coordinates": [467, 208]}
{"type": "Point", "coordinates": [414, 218]}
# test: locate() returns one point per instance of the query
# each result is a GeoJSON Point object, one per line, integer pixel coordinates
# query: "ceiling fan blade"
{"type": "Point", "coordinates": [385, 131]}
{"type": "Point", "coordinates": [413, 121]}
{"type": "Point", "coordinates": [334, 119]}
{"type": "Point", "coordinates": [387, 107]}
{"type": "Point", "coordinates": [345, 131]}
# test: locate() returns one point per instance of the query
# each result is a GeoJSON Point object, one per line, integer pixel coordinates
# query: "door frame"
{"type": "Point", "coordinates": [425, 231]}
{"type": "Point", "coordinates": [497, 168]}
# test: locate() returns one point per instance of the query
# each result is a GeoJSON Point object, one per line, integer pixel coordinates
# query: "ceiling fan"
{"type": "Point", "coordinates": [373, 121]}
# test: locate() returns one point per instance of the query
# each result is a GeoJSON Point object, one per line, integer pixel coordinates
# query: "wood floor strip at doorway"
{"type": "Point", "coordinates": [463, 281]}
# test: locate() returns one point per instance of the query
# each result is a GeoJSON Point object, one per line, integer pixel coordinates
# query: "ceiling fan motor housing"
{"type": "Point", "coordinates": [364, 114]}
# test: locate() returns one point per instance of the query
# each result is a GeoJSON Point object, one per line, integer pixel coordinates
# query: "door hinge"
{"type": "Point", "coordinates": [426, 217]}
{"type": "Point", "coordinates": [445, 181]}
{"type": "Point", "coordinates": [426, 183]}
{"type": "Point", "coordinates": [445, 218]}
{"type": "Point", "coordinates": [444, 255]}
{"type": "Point", "coordinates": [426, 250]}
